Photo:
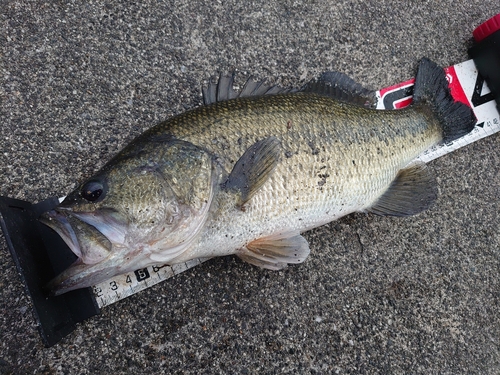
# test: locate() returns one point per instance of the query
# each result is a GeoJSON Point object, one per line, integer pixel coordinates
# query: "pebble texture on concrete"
{"type": "Point", "coordinates": [377, 295]}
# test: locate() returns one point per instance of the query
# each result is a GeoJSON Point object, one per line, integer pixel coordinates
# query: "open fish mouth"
{"type": "Point", "coordinates": [59, 222]}
{"type": "Point", "coordinates": [92, 248]}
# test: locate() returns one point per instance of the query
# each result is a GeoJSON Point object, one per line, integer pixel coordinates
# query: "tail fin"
{"type": "Point", "coordinates": [431, 88]}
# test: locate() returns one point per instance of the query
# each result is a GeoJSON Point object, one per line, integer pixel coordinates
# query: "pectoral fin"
{"type": "Point", "coordinates": [254, 168]}
{"type": "Point", "coordinates": [275, 253]}
{"type": "Point", "coordinates": [414, 190]}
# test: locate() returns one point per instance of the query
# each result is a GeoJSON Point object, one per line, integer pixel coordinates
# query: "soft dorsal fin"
{"type": "Point", "coordinates": [341, 87]}
{"type": "Point", "coordinates": [254, 168]}
{"type": "Point", "coordinates": [276, 252]}
{"type": "Point", "coordinates": [414, 190]}
{"type": "Point", "coordinates": [222, 89]}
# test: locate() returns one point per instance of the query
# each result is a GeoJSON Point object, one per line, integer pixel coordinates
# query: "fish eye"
{"type": "Point", "coordinates": [92, 191]}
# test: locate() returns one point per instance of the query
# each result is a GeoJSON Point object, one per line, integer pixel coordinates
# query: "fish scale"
{"type": "Point", "coordinates": [304, 204]}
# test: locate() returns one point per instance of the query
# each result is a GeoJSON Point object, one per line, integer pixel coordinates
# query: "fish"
{"type": "Point", "coordinates": [248, 172]}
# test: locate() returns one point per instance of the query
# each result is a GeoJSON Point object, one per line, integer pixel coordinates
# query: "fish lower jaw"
{"type": "Point", "coordinates": [80, 275]}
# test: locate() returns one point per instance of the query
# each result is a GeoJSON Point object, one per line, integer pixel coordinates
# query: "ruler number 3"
{"type": "Point", "coordinates": [113, 285]}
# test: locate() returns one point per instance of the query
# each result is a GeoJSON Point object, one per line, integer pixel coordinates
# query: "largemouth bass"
{"type": "Point", "coordinates": [248, 172]}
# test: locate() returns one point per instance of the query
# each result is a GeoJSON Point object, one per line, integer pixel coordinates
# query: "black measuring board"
{"type": "Point", "coordinates": [40, 254]}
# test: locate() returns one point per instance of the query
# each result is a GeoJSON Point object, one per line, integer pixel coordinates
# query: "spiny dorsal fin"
{"type": "Point", "coordinates": [222, 89]}
{"type": "Point", "coordinates": [414, 190]}
{"type": "Point", "coordinates": [276, 252]}
{"type": "Point", "coordinates": [254, 168]}
{"type": "Point", "coordinates": [341, 87]}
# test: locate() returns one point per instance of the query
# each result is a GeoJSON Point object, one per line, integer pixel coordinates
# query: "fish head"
{"type": "Point", "coordinates": [146, 206]}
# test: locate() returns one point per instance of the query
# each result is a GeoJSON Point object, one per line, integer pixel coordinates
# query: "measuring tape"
{"type": "Point", "coordinates": [465, 86]}
{"type": "Point", "coordinates": [125, 285]}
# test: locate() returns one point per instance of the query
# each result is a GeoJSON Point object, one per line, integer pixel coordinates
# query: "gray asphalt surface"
{"type": "Point", "coordinates": [377, 295]}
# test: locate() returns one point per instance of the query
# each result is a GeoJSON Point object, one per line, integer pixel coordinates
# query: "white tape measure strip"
{"type": "Point", "coordinates": [125, 285]}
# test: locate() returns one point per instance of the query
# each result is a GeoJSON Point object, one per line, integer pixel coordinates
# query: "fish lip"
{"type": "Point", "coordinates": [78, 275]}
{"type": "Point", "coordinates": [81, 275]}
{"type": "Point", "coordinates": [57, 220]}
{"type": "Point", "coordinates": [63, 282]}
{"type": "Point", "coordinates": [106, 223]}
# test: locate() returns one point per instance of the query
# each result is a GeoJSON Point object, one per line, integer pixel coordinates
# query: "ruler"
{"type": "Point", "coordinates": [466, 85]}
{"type": "Point", "coordinates": [125, 285]}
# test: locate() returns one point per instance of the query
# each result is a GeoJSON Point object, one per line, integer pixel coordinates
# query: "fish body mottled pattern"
{"type": "Point", "coordinates": [337, 158]}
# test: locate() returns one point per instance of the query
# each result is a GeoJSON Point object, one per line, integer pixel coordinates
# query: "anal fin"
{"type": "Point", "coordinates": [274, 253]}
{"type": "Point", "coordinates": [413, 190]}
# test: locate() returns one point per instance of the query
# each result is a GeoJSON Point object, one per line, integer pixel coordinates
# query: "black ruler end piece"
{"type": "Point", "coordinates": [39, 254]}
{"type": "Point", "coordinates": [486, 55]}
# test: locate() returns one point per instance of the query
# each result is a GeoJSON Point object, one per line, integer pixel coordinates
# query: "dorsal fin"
{"type": "Point", "coordinates": [341, 87]}
{"type": "Point", "coordinates": [222, 89]}
{"type": "Point", "coordinates": [334, 84]}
